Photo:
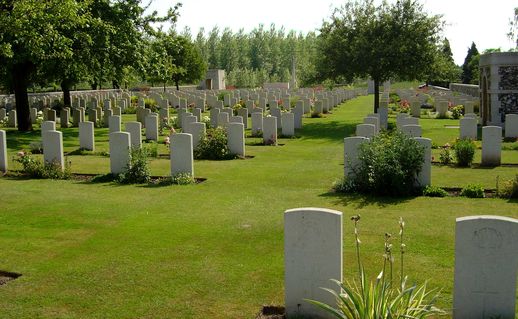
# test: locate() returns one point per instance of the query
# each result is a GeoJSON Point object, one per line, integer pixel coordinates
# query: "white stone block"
{"type": "Point", "coordinates": [469, 107]}
{"type": "Point", "coordinates": [135, 131]}
{"type": "Point", "coordinates": [319, 107]}
{"type": "Point", "coordinates": [86, 136]}
{"type": "Point", "coordinates": [383, 112]}
{"type": "Point", "coordinates": [298, 113]}
{"type": "Point", "coordinates": [152, 127]}
{"type": "Point", "coordinates": [51, 115]}
{"type": "Point", "coordinates": [486, 261]}
{"type": "Point", "coordinates": [114, 123]}
{"type": "Point", "coordinates": [468, 128]}
{"type": "Point", "coordinates": [257, 123]}
{"type": "Point", "coordinates": [197, 130]}
{"type": "Point", "coordinates": [181, 154]}
{"type": "Point", "coordinates": [412, 130]}
{"type": "Point", "coordinates": [415, 109]}
{"type": "Point", "coordinates": [365, 130]}
{"type": "Point", "coordinates": [374, 121]}
{"type": "Point", "coordinates": [491, 145]}
{"type": "Point", "coordinates": [48, 126]}
{"type": "Point", "coordinates": [401, 119]}
{"type": "Point", "coordinates": [244, 114]}
{"type": "Point", "coordinates": [12, 121]}
{"type": "Point", "coordinates": [198, 113]}
{"type": "Point", "coordinates": [119, 151]}
{"type": "Point", "coordinates": [442, 108]}
{"type": "Point", "coordinates": [312, 256]}
{"type": "Point", "coordinates": [270, 130]}
{"type": "Point", "coordinates": [34, 115]}
{"type": "Point", "coordinates": [236, 138]}
{"type": "Point", "coordinates": [223, 119]}
{"type": "Point", "coordinates": [351, 151]}
{"type": "Point", "coordinates": [424, 178]}
{"type": "Point", "coordinates": [214, 113]}
{"type": "Point", "coordinates": [53, 148]}
{"type": "Point", "coordinates": [288, 124]}
{"type": "Point", "coordinates": [65, 117]}
{"type": "Point", "coordinates": [3, 152]}
{"type": "Point", "coordinates": [511, 125]}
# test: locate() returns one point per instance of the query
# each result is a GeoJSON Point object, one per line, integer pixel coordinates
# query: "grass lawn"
{"type": "Point", "coordinates": [215, 249]}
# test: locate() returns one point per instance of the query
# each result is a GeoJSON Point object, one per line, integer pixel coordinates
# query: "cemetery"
{"type": "Point", "coordinates": [367, 184]}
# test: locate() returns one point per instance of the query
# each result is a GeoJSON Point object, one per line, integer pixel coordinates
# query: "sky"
{"type": "Point", "coordinates": [481, 21]}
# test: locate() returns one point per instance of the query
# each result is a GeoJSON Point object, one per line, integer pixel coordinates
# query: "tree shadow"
{"type": "Point", "coordinates": [334, 130]}
{"type": "Point", "coordinates": [359, 201]}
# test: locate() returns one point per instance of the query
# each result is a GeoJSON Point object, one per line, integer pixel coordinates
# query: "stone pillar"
{"type": "Point", "coordinates": [86, 136]}
{"type": "Point", "coordinates": [119, 151]}
{"type": "Point", "coordinates": [424, 178]}
{"type": "Point", "coordinates": [511, 125]}
{"type": "Point", "coordinates": [236, 138]}
{"type": "Point", "coordinates": [3, 152]}
{"type": "Point", "coordinates": [152, 127]}
{"type": "Point", "coordinates": [312, 256]}
{"type": "Point", "coordinates": [53, 148]}
{"type": "Point", "coordinates": [65, 117]}
{"type": "Point", "coordinates": [486, 260]}
{"type": "Point", "coordinates": [181, 154]}
{"type": "Point", "coordinates": [197, 130]}
{"type": "Point", "coordinates": [365, 130]}
{"type": "Point", "coordinates": [351, 149]}
{"type": "Point", "coordinates": [270, 130]}
{"type": "Point", "coordinates": [114, 123]}
{"type": "Point", "coordinates": [257, 123]}
{"type": "Point", "coordinates": [491, 145]}
{"type": "Point", "coordinates": [412, 130]}
{"type": "Point", "coordinates": [135, 131]}
{"type": "Point", "coordinates": [468, 128]}
{"type": "Point", "coordinates": [288, 124]}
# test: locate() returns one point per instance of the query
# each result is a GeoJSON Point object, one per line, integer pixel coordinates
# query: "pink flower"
{"type": "Point", "coordinates": [167, 141]}
{"type": "Point", "coordinates": [21, 154]}
{"type": "Point", "coordinates": [172, 131]}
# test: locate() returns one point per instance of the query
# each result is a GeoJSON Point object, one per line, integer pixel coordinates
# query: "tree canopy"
{"type": "Point", "coordinates": [470, 67]}
{"type": "Point", "coordinates": [383, 42]}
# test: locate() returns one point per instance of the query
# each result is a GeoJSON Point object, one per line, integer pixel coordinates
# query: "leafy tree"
{"type": "Point", "coordinates": [444, 70]}
{"type": "Point", "coordinates": [470, 68]}
{"type": "Point", "coordinates": [383, 42]}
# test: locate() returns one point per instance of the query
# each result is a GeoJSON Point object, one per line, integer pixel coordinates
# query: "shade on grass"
{"type": "Point", "coordinates": [212, 250]}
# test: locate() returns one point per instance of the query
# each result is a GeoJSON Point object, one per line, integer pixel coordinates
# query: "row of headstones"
{"type": "Point", "coordinates": [371, 125]}
{"type": "Point", "coordinates": [486, 262]}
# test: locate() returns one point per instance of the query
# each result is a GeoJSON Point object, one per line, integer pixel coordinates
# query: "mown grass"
{"type": "Point", "coordinates": [215, 249]}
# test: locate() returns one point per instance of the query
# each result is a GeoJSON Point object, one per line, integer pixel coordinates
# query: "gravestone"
{"type": "Point", "coordinates": [135, 131]}
{"type": "Point", "coordinates": [12, 121]}
{"type": "Point", "coordinates": [374, 121]}
{"type": "Point", "coordinates": [383, 112]}
{"type": "Point", "coordinates": [288, 124]}
{"type": "Point", "coordinates": [152, 127]}
{"type": "Point", "coordinates": [442, 108]}
{"type": "Point", "coordinates": [424, 178]}
{"type": "Point", "coordinates": [181, 154]}
{"type": "Point", "coordinates": [365, 130]}
{"type": "Point", "coordinates": [197, 130]}
{"type": "Point", "coordinates": [3, 114]}
{"type": "Point", "coordinates": [468, 128]}
{"type": "Point", "coordinates": [351, 150]}
{"type": "Point", "coordinates": [486, 261]}
{"type": "Point", "coordinates": [312, 256]}
{"type": "Point", "coordinates": [491, 145]}
{"type": "Point", "coordinates": [34, 115]}
{"type": "Point", "coordinates": [197, 112]}
{"type": "Point", "coordinates": [214, 113]}
{"type": "Point", "coordinates": [274, 111]}
{"type": "Point", "coordinates": [412, 130]}
{"type": "Point", "coordinates": [270, 130]}
{"type": "Point", "coordinates": [92, 116]}
{"type": "Point", "coordinates": [298, 113]}
{"type": "Point", "coordinates": [244, 114]}
{"type": "Point", "coordinates": [236, 119]}
{"type": "Point", "coordinates": [415, 109]}
{"type": "Point", "coordinates": [511, 125]}
{"type": "Point", "coordinates": [319, 107]}
{"type": "Point", "coordinates": [116, 111]}
{"type": "Point", "coordinates": [3, 152]}
{"type": "Point", "coordinates": [188, 119]}
{"type": "Point", "coordinates": [223, 119]}
{"type": "Point", "coordinates": [163, 115]}
{"type": "Point", "coordinates": [114, 123]}
{"type": "Point", "coordinates": [119, 151]}
{"type": "Point", "coordinates": [48, 126]}
{"type": "Point", "coordinates": [51, 115]}
{"type": "Point", "coordinates": [65, 117]}
{"type": "Point", "coordinates": [86, 136]}
{"type": "Point", "coordinates": [401, 119]}
{"type": "Point", "coordinates": [106, 117]}
{"type": "Point", "coordinates": [257, 123]}
{"type": "Point", "coordinates": [53, 148]}
{"type": "Point", "coordinates": [469, 107]}
{"type": "Point", "coordinates": [236, 138]}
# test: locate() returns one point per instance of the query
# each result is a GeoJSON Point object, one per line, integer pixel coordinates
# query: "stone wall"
{"type": "Point", "coordinates": [468, 89]}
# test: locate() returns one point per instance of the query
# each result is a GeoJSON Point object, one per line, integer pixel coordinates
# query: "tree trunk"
{"type": "Point", "coordinates": [164, 87]}
{"type": "Point", "coordinates": [376, 95]}
{"type": "Point", "coordinates": [176, 82]}
{"type": "Point", "coordinates": [20, 74]}
{"type": "Point", "coordinates": [65, 87]}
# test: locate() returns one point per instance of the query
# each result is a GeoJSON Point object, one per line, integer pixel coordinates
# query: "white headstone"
{"type": "Point", "coordinates": [3, 152]}
{"type": "Point", "coordinates": [214, 113]}
{"type": "Point", "coordinates": [65, 117]}
{"type": "Point", "coordinates": [412, 130]}
{"type": "Point", "coordinates": [119, 151]}
{"type": "Point", "coordinates": [374, 121]}
{"type": "Point", "coordinates": [12, 121]}
{"type": "Point", "coordinates": [270, 130]}
{"type": "Point", "coordinates": [468, 128]}
{"type": "Point", "coordinates": [86, 136]}
{"type": "Point", "coordinates": [288, 124]}
{"type": "Point", "coordinates": [53, 148]}
{"type": "Point", "coordinates": [197, 112]}
{"type": "Point", "coordinates": [469, 107]}
{"type": "Point", "coordinates": [511, 125]}
{"type": "Point", "coordinates": [197, 130]}
{"type": "Point", "coordinates": [257, 123]}
{"type": "Point", "coordinates": [365, 130]}
{"type": "Point", "coordinates": [424, 178]}
{"type": "Point", "coordinates": [415, 109]}
{"type": "Point", "coordinates": [244, 114]}
{"type": "Point", "coordinates": [312, 256]}
{"type": "Point", "coordinates": [319, 107]}
{"type": "Point", "coordinates": [383, 112]}
{"type": "Point", "coordinates": [351, 150]}
{"type": "Point", "coordinates": [34, 115]}
{"type": "Point", "coordinates": [486, 261]}
{"type": "Point", "coordinates": [442, 108]}
{"type": "Point", "coordinates": [135, 131]}
{"type": "Point", "coordinates": [298, 113]}
{"type": "Point", "coordinates": [236, 138]}
{"type": "Point", "coordinates": [48, 126]}
{"type": "Point", "coordinates": [114, 123]}
{"type": "Point", "coordinates": [181, 154]}
{"type": "Point", "coordinates": [491, 145]}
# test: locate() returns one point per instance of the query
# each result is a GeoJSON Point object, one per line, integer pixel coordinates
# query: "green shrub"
{"type": "Point", "coordinates": [150, 148]}
{"type": "Point", "coordinates": [35, 168]}
{"type": "Point", "coordinates": [445, 156]}
{"type": "Point", "coordinates": [388, 165]}
{"type": "Point", "coordinates": [434, 191]}
{"type": "Point", "coordinates": [344, 185]}
{"type": "Point", "coordinates": [36, 147]}
{"type": "Point", "coordinates": [381, 298]}
{"type": "Point", "coordinates": [464, 152]}
{"type": "Point", "coordinates": [510, 189]}
{"type": "Point", "coordinates": [213, 145]}
{"type": "Point", "coordinates": [178, 179]}
{"type": "Point", "coordinates": [473, 191]}
{"type": "Point", "coordinates": [137, 170]}
{"type": "Point", "coordinates": [457, 111]}
{"type": "Point", "coordinates": [130, 110]}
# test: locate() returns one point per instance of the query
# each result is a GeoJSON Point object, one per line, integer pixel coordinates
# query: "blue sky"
{"type": "Point", "coordinates": [482, 21]}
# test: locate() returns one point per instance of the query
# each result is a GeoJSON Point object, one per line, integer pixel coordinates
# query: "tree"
{"type": "Point", "coordinates": [444, 70]}
{"type": "Point", "coordinates": [469, 68]}
{"type": "Point", "coordinates": [513, 28]}
{"type": "Point", "coordinates": [383, 42]}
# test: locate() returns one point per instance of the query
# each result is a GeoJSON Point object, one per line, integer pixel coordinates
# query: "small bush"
{"type": "Point", "coordinates": [36, 147]}
{"type": "Point", "coordinates": [344, 185]}
{"type": "Point", "coordinates": [150, 148]}
{"type": "Point", "coordinates": [34, 168]}
{"type": "Point", "coordinates": [464, 152]}
{"type": "Point", "coordinates": [130, 109]}
{"type": "Point", "coordinates": [137, 170]}
{"type": "Point", "coordinates": [434, 191]}
{"type": "Point", "coordinates": [510, 189]}
{"type": "Point", "coordinates": [178, 179]}
{"type": "Point", "coordinates": [473, 191]}
{"type": "Point", "coordinates": [445, 156]}
{"type": "Point", "coordinates": [213, 145]}
{"type": "Point", "coordinates": [457, 111]}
